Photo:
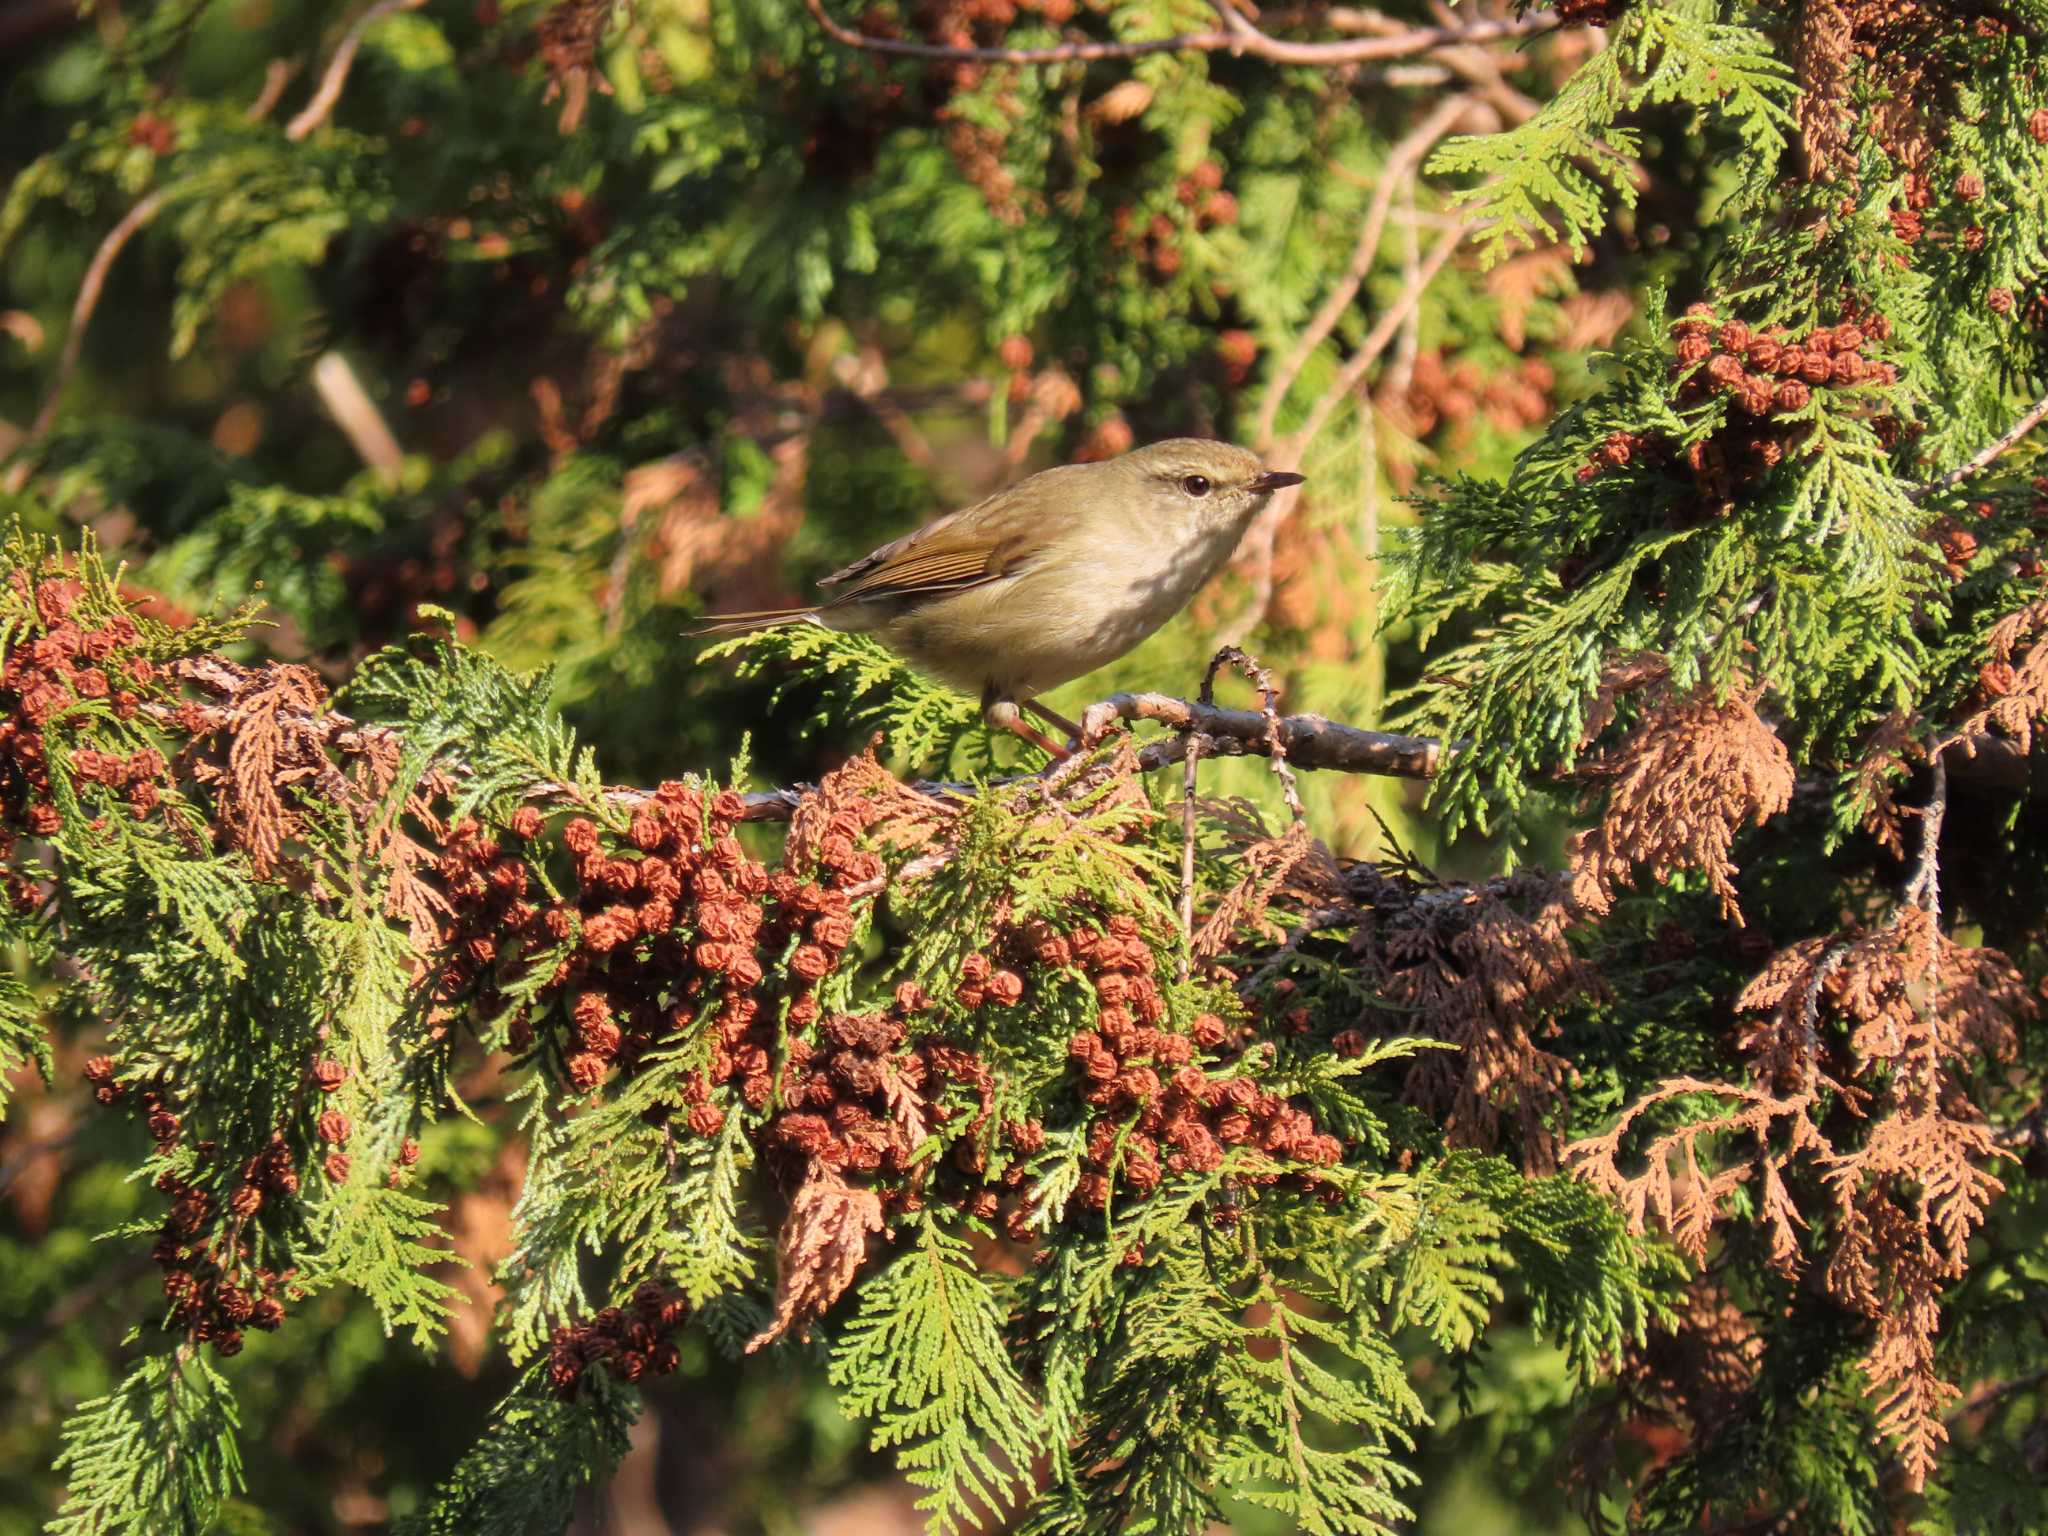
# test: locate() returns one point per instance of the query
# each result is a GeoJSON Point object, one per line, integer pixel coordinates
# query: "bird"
{"type": "Point", "coordinates": [1047, 579]}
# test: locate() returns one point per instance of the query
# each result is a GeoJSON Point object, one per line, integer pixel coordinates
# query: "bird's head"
{"type": "Point", "coordinates": [1194, 480]}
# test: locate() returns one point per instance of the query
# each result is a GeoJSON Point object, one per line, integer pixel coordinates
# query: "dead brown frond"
{"type": "Point", "coordinates": [1697, 1366]}
{"type": "Point", "coordinates": [1823, 59]}
{"type": "Point", "coordinates": [1679, 1384]}
{"type": "Point", "coordinates": [568, 37]}
{"type": "Point", "coordinates": [2014, 683]}
{"type": "Point", "coordinates": [1890, 1022]}
{"type": "Point", "coordinates": [1621, 676]}
{"type": "Point", "coordinates": [1485, 968]}
{"type": "Point", "coordinates": [263, 737]}
{"type": "Point", "coordinates": [1689, 1204]}
{"type": "Point", "coordinates": [1519, 282]}
{"type": "Point", "coordinates": [823, 1243]}
{"type": "Point", "coordinates": [1681, 785]}
{"type": "Point", "coordinates": [1267, 867]}
{"type": "Point", "coordinates": [1890, 752]}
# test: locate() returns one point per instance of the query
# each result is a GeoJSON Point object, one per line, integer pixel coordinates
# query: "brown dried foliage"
{"type": "Point", "coordinates": [1681, 1384]}
{"type": "Point", "coordinates": [2014, 683]}
{"type": "Point", "coordinates": [2011, 699]}
{"type": "Point", "coordinates": [1294, 864]}
{"type": "Point", "coordinates": [1453, 394]}
{"type": "Point", "coordinates": [1688, 776]}
{"type": "Point", "coordinates": [261, 737]}
{"type": "Point", "coordinates": [1485, 967]}
{"type": "Point", "coordinates": [1890, 1024]}
{"type": "Point", "coordinates": [1822, 56]}
{"type": "Point", "coordinates": [568, 37]}
{"type": "Point", "coordinates": [823, 1244]}
{"type": "Point", "coordinates": [672, 509]}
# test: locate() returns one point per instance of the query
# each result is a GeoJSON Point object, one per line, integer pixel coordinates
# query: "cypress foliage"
{"type": "Point", "coordinates": [1122, 1151]}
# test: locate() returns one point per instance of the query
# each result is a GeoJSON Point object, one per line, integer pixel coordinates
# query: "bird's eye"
{"type": "Point", "coordinates": [1196, 485]}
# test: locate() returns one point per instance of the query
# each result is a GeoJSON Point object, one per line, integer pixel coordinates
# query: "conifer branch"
{"type": "Point", "coordinates": [1296, 741]}
{"type": "Point", "coordinates": [1236, 36]}
{"type": "Point", "coordinates": [1307, 741]}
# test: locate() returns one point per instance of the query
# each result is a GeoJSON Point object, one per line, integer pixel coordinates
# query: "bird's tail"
{"type": "Point", "coordinates": [760, 618]}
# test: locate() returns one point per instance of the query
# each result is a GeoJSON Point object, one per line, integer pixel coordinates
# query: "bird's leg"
{"type": "Point", "coordinates": [1055, 720]}
{"type": "Point", "coordinates": [1004, 714]}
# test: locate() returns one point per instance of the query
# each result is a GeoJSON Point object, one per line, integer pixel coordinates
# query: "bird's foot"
{"type": "Point", "coordinates": [1004, 715]}
{"type": "Point", "coordinates": [1057, 721]}
{"type": "Point", "coordinates": [1038, 738]}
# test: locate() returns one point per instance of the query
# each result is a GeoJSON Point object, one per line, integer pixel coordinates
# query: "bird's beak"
{"type": "Point", "coordinates": [1276, 480]}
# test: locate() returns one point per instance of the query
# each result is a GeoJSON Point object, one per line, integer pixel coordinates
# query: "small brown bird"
{"type": "Point", "coordinates": [1050, 578]}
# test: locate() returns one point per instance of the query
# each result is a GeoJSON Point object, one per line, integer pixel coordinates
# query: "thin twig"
{"type": "Point", "coordinates": [1306, 741]}
{"type": "Point", "coordinates": [1996, 1393]}
{"type": "Point", "coordinates": [1187, 856]}
{"type": "Point", "coordinates": [94, 1285]}
{"type": "Point", "coordinates": [1310, 741]}
{"type": "Point", "coordinates": [1376, 341]}
{"type": "Point", "coordinates": [1236, 36]}
{"type": "Point", "coordinates": [1482, 70]}
{"type": "Point", "coordinates": [1401, 163]}
{"type": "Point", "coordinates": [82, 307]}
{"type": "Point", "coordinates": [1256, 551]}
{"type": "Point", "coordinates": [1809, 1011]}
{"type": "Point", "coordinates": [1321, 920]}
{"type": "Point", "coordinates": [1400, 374]}
{"type": "Point", "coordinates": [1983, 457]}
{"type": "Point", "coordinates": [1924, 889]}
{"type": "Point", "coordinates": [867, 379]}
{"type": "Point", "coordinates": [276, 76]}
{"type": "Point", "coordinates": [358, 417]}
{"type": "Point", "coordinates": [335, 76]}
{"type": "Point", "coordinates": [1269, 709]}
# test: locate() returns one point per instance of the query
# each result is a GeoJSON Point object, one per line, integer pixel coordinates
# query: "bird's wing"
{"type": "Point", "coordinates": [968, 548]}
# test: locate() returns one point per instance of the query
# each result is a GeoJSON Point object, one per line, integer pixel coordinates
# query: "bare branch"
{"type": "Point", "coordinates": [1310, 740]}
{"type": "Point", "coordinates": [316, 111]}
{"type": "Point", "coordinates": [82, 307]}
{"type": "Point", "coordinates": [1983, 457]}
{"type": "Point", "coordinates": [277, 74]}
{"type": "Point", "coordinates": [358, 417]}
{"type": "Point", "coordinates": [1236, 36]}
{"type": "Point", "coordinates": [1256, 550]}
{"type": "Point", "coordinates": [1924, 888]}
{"type": "Point", "coordinates": [1376, 342]}
{"type": "Point", "coordinates": [1406, 156]}
{"type": "Point", "coordinates": [1482, 70]}
{"type": "Point", "coordinates": [1991, 1395]}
